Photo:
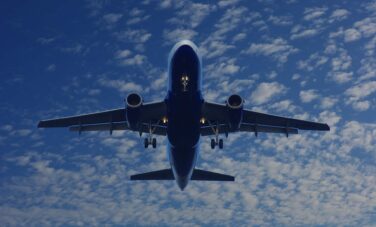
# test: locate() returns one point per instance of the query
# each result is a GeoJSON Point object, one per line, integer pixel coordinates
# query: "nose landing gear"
{"type": "Point", "coordinates": [184, 81]}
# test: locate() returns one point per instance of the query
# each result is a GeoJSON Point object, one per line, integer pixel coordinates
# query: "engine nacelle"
{"type": "Point", "coordinates": [234, 104]}
{"type": "Point", "coordinates": [133, 106]}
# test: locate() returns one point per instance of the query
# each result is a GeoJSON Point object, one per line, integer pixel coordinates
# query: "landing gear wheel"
{"type": "Point", "coordinates": [146, 142]}
{"type": "Point", "coordinates": [220, 144]}
{"type": "Point", "coordinates": [154, 142]}
{"type": "Point", "coordinates": [212, 143]}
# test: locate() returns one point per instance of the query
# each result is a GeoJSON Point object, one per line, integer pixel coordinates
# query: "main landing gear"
{"type": "Point", "coordinates": [150, 140]}
{"type": "Point", "coordinates": [216, 141]}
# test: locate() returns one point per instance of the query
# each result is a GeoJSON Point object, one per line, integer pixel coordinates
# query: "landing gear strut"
{"type": "Point", "coordinates": [150, 140]}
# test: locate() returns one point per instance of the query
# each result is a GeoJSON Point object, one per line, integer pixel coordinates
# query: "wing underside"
{"type": "Point", "coordinates": [112, 120]}
{"type": "Point", "coordinates": [218, 119]}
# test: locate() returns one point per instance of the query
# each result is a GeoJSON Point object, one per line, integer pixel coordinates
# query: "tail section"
{"type": "Point", "coordinates": [204, 175]}
{"type": "Point", "coordinates": [164, 174]}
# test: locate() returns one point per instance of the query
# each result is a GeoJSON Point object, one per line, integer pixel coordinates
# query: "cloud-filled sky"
{"type": "Point", "coordinates": [311, 60]}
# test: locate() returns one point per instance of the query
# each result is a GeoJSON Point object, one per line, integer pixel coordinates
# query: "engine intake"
{"type": "Point", "coordinates": [134, 100]}
{"type": "Point", "coordinates": [133, 110]}
{"type": "Point", "coordinates": [234, 104]}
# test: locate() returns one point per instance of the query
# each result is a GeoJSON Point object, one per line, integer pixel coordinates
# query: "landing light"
{"type": "Point", "coordinates": [164, 120]}
{"type": "Point", "coordinates": [202, 120]}
{"type": "Point", "coordinates": [184, 78]}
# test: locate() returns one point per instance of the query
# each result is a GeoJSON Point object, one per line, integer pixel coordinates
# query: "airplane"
{"type": "Point", "coordinates": [183, 116]}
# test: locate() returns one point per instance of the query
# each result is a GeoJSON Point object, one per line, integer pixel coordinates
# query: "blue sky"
{"type": "Point", "coordinates": [311, 60]}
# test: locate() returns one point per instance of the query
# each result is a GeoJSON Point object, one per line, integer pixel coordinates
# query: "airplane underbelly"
{"type": "Point", "coordinates": [183, 114]}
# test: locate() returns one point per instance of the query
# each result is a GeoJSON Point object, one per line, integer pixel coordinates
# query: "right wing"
{"type": "Point", "coordinates": [151, 113]}
{"type": "Point", "coordinates": [253, 121]}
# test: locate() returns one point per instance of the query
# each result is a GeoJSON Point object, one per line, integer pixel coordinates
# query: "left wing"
{"type": "Point", "coordinates": [151, 113]}
{"type": "Point", "coordinates": [217, 117]}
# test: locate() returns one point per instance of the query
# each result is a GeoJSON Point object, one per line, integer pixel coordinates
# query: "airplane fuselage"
{"type": "Point", "coordinates": [184, 101]}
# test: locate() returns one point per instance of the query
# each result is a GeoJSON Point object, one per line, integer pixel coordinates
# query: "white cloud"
{"type": "Point", "coordinates": [284, 106]}
{"type": "Point", "coordinates": [218, 69]}
{"type": "Point", "coordinates": [342, 62]}
{"type": "Point", "coordinates": [314, 61]}
{"type": "Point", "coordinates": [123, 54]}
{"type": "Point", "coordinates": [51, 68]}
{"type": "Point", "coordinates": [366, 26]}
{"type": "Point", "coordinates": [328, 102]}
{"type": "Point", "coordinates": [340, 66]}
{"type": "Point", "coordinates": [137, 20]}
{"type": "Point", "coordinates": [367, 68]}
{"type": "Point", "coordinates": [361, 105]}
{"type": "Point", "coordinates": [361, 90]}
{"type": "Point", "coordinates": [137, 59]}
{"type": "Point", "coordinates": [192, 14]}
{"type": "Point", "coordinates": [125, 58]}
{"type": "Point", "coordinates": [351, 35]}
{"type": "Point", "coordinates": [44, 40]}
{"type": "Point", "coordinates": [339, 14]}
{"type": "Point", "coordinates": [358, 93]}
{"type": "Point", "coordinates": [214, 49]}
{"type": "Point", "coordinates": [266, 91]}
{"type": "Point", "coordinates": [165, 4]}
{"type": "Point", "coordinates": [314, 13]}
{"type": "Point", "coordinates": [278, 49]}
{"type": "Point", "coordinates": [227, 3]}
{"type": "Point", "coordinates": [173, 36]}
{"type": "Point", "coordinates": [231, 19]}
{"type": "Point", "coordinates": [281, 20]}
{"type": "Point", "coordinates": [21, 132]}
{"type": "Point", "coordinates": [236, 86]}
{"type": "Point", "coordinates": [134, 36]}
{"type": "Point", "coordinates": [6, 128]}
{"type": "Point", "coordinates": [77, 48]}
{"type": "Point", "coordinates": [304, 33]}
{"type": "Point", "coordinates": [341, 77]}
{"type": "Point", "coordinates": [331, 118]}
{"type": "Point", "coordinates": [239, 36]}
{"type": "Point", "coordinates": [308, 96]}
{"type": "Point", "coordinates": [112, 18]}
{"type": "Point", "coordinates": [120, 85]}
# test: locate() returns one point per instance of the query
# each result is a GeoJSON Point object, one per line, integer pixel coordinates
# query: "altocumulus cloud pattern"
{"type": "Point", "coordinates": [304, 59]}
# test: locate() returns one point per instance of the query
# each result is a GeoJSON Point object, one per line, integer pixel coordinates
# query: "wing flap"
{"type": "Point", "coordinates": [158, 129]}
{"type": "Point", "coordinates": [266, 129]}
{"type": "Point", "coordinates": [224, 128]}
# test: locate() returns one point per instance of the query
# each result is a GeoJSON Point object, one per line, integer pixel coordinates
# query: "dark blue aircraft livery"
{"type": "Point", "coordinates": [183, 116]}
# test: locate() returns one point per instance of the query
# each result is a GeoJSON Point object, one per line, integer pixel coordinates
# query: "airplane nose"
{"type": "Point", "coordinates": [184, 52]}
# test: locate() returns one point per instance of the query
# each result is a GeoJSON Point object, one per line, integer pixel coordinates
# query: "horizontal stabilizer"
{"type": "Point", "coordinates": [164, 174]}
{"type": "Point", "coordinates": [203, 175]}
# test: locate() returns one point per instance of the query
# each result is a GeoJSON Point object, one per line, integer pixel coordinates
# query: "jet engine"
{"type": "Point", "coordinates": [234, 104]}
{"type": "Point", "coordinates": [133, 110]}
